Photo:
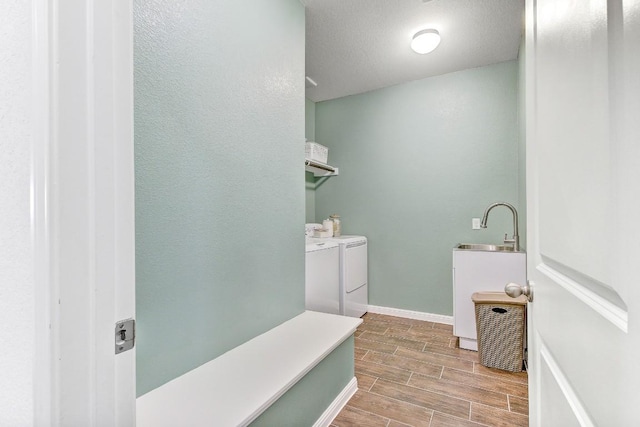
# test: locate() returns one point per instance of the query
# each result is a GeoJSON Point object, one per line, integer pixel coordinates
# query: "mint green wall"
{"type": "Point", "coordinates": [305, 402]}
{"type": "Point", "coordinates": [417, 162]}
{"type": "Point", "coordinates": [219, 120]}
{"type": "Point", "coordinates": [310, 181]}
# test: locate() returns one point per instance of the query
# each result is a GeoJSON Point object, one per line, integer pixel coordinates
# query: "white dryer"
{"type": "Point", "coordinates": [322, 276]}
{"type": "Point", "coordinates": [354, 288]}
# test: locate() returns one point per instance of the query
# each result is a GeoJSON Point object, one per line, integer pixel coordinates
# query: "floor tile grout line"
{"type": "Point", "coordinates": [393, 336]}
{"type": "Point", "coordinates": [435, 333]}
{"type": "Point", "coordinates": [454, 384]}
{"type": "Point", "coordinates": [426, 343]}
{"type": "Point", "coordinates": [404, 369]}
{"type": "Point", "coordinates": [389, 419]}
{"type": "Point", "coordinates": [469, 358]}
{"type": "Point", "coordinates": [476, 386]}
{"type": "Point", "coordinates": [459, 418]}
{"type": "Point", "coordinates": [429, 363]}
{"type": "Point", "coordinates": [510, 396]}
{"type": "Point", "coordinates": [398, 331]}
{"type": "Point", "coordinates": [445, 355]}
{"type": "Point", "coordinates": [377, 342]}
{"type": "Point", "coordinates": [470, 402]}
{"type": "Point", "coordinates": [370, 413]}
{"type": "Point", "coordinates": [372, 384]}
{"type": "Point", "coordinates": [517, 414]}
{"type": "Point", "coordinates": [498, 377]}
{"type": "Point", "coordinates": [429, 391]}
{"type": "Point", "coordinates": [401, 401]}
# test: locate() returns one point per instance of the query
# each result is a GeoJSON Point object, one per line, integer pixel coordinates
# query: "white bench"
{"type": "Point", "coordinates": [238, 386]}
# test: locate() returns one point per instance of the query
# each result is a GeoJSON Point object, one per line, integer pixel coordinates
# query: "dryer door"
{"type": "Point", "coordinates": [355, 263]}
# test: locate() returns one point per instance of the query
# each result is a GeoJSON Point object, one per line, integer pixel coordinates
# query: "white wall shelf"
{"type": "Point", "coordinates": [319, 169]}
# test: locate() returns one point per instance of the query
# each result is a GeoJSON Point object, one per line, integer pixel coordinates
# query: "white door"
{"type": "Point", "coordinates": [583, 193]}
{"type": "Point", "coordinates": [83, 211]}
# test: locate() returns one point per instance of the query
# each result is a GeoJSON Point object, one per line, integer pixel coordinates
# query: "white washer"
{"type": "Point", "coordinates": [354, 287]}
{"type": "Point", "coordinates": [322, 276]}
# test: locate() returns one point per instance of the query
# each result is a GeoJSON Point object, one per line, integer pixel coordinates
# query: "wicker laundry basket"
{"type": "Point", "coordinates": [500, 323]}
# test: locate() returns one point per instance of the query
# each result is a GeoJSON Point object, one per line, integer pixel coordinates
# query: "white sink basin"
{"type": "Point", "coordinates": [484, 247]}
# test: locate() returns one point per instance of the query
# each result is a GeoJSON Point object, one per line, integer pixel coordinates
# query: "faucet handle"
{"type": "Point", "coordinates": [507, 240]}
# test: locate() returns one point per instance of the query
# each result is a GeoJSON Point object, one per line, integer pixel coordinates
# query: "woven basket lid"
{"type": "Point", "coordinates": [497, 298]}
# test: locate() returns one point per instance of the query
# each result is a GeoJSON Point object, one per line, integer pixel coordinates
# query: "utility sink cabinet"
{"type": "Point", "coordinates": [477, 271]}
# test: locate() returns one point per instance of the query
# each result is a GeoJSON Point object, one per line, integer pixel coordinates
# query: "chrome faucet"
{"type": "Point", "coordinates": [516, 238]}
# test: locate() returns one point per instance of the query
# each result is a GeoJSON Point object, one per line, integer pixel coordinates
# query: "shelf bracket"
{"type": "Point", "coordinates": [320, 169]}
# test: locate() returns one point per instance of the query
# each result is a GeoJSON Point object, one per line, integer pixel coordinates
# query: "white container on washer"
{"type": "Point", "coordinates": [316, 152]}
{"type": "Point", "coordinates": [337, 226]}
{"type": "Point", "coordinates": [328, 225]}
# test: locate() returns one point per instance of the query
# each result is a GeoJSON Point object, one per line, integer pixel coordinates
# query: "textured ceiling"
{"type": "Point", "coordinates": [355, 46]}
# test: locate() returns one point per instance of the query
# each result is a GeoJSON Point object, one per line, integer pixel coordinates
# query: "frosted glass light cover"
{"type": "Point", "coordinates": [425, 41]}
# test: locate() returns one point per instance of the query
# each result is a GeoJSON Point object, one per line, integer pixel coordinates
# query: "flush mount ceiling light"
{"type": "Point", "coordinates": [425, 41]}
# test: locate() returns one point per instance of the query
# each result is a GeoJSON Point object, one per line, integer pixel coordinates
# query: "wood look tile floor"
{"type": "Point", "coordinates": [411, 373]}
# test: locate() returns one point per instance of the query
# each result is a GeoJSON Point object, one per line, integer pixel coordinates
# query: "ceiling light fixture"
{"type": "Point", "coordinates": [309, 82]}
{"type": "Point", "coordinates": [425, 41]}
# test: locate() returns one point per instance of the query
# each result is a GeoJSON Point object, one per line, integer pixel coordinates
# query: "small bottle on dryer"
{"type": "Point", "coordinates": [329, 226]}
{"type": "Point", "coordinates": [337, 226]}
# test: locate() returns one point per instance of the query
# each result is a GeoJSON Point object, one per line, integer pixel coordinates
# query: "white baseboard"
{"type": "Point", "coordinates": [409, 314]}
{"type": "Point", "coordinates": [336, 406]}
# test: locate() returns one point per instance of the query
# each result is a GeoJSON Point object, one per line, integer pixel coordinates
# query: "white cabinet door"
{"type": "Point", "coordinates": [583, 192]}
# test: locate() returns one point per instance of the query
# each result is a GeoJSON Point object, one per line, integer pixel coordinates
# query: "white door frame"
{"type": "Point", "coordinates": [83, 211]}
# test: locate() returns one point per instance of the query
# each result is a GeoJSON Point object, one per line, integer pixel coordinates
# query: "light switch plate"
{"type": "Point", "coordinates": [475, 223]}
